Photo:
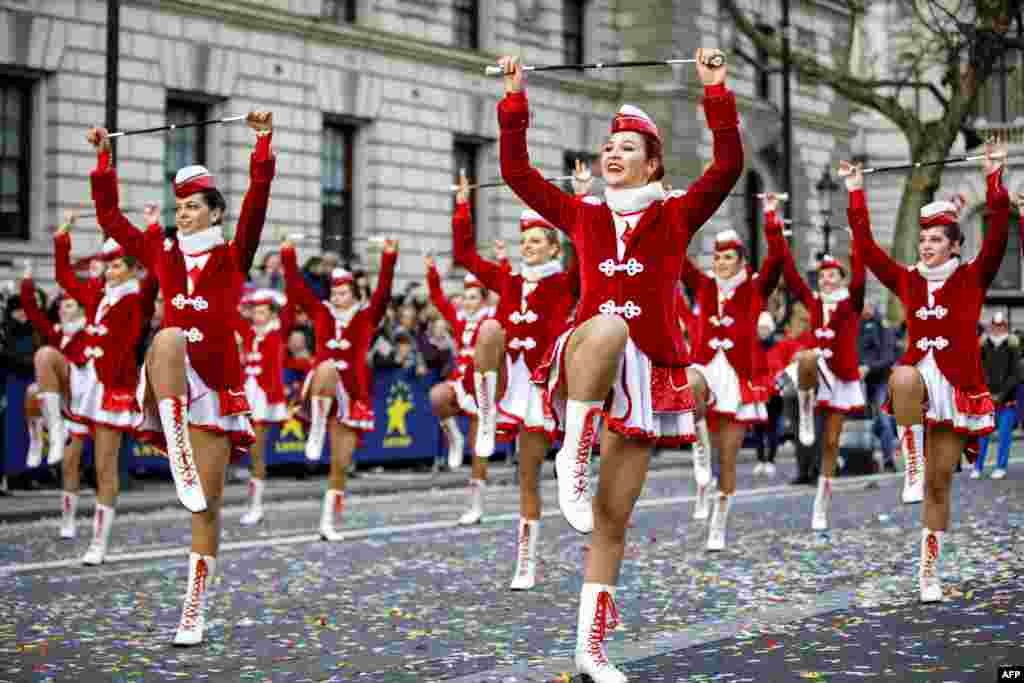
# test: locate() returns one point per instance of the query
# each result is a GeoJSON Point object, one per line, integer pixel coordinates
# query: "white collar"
{"type": "Point", "coordinates": [114, 293]}
{"type": "Point", "coordinates": [998, 340]}
{"type": "Point", "coordinates": [272, 326]}
{"type": "Point", "coordinates": [480, 314]}
{"type": "Point", "coordinates": [727, 286]}
{"type": "Point", "coordinates": [938, 273]}
{"type": "Point", "coordinates": [202, 241]}
{"type": "Point", "coordinates": [72, 328]}
{"type": "Point", "coordinates": [342, 316]}
{"type": "Point", "coordinates": [841, 294]}
{"type": "Point", "coordinates": [541, 271]}
{"type": "Point", "coordinates": [633, 199]}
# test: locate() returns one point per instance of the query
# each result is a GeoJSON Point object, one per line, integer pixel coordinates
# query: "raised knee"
{"type": "Point", "coordinates": [47, 356]}
{"type": "Point", "coordinates": [169, 340]}
{"type": "Point", "coordinates": [611, 329]}
{"type": "Point", "coordinates": [440, 396]}
{"type": "Point", "coordinates": [904, 379]}
{"type": "Point", "coordinates": [806, 358]}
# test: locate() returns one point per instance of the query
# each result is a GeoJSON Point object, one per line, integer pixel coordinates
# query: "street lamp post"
{"type": "Point", "coordinates": [826, 186]}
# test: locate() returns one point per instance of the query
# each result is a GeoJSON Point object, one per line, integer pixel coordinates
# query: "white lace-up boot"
{"type": "Point", "coordinates": [50, 405]}
{"type": "Point", "coordinates": [174, 419]}
{"type": "Point", "coordinates": [822, 502]}
{"type": "Point", "coordinates": [526, 555]}
{"type": "Point", "coordinates": [719, 522]}
{"type": "Point", "coordinates": [912, 448]}
{"type": "Point", "coordinates": [702, 506]}
{"type": "Point", "coordinates": [103, 520]}
{"type": "Point", "coordinates": [805, 407]}
{"type": "Point", "coordinates": [68, 509]}
{"type": "Point", "coordinates": [456, 442]}
{"type": "Point", "coordinates": [330, 514]}
{"type": "Point", "coordinates": [191, 628]}
{"type": "Point", "coordinates": [474, 514]}
{"type": "Point", "coordinates": [254, 515]}
{"type": "Point", "coordinates": [34, 457]}
{"type": "Point", "coordinates": [598, 616]}
{"type": "Point", "coordinates": [486, 389]}
{"type": "Point", "coordinates": [572, 464]}
{"type": "Point", "coordinates": [928, 572]}
{"type": "Point", "coordinates": [320, 407]}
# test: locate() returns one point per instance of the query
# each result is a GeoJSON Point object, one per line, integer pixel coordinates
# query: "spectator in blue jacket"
{"type": "Point", "coordinates": [878, 353]}
{"type": "Point", "coordinates": [1000, 358]}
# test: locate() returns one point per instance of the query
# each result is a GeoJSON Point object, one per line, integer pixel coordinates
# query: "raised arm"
{"type": "Point", "coordinates": [692, 277]}
{"type": "Point", "coordinates": [85, 295]}
{"type": "Point", "coordinates": [107, 201]}
{"type": "Point", "coordinates": [997, 201]}
{"type": "Point", "coordinates": [888, 271]}
{"type": "Point", "coordinates": [295, 287]}
{"type": "Point", "coordinates": [774, 262]}
{"type": "Point", "coordinates": [858, 278]}
{"type": "Point", "coordinates": [557, 207]}
{"type": "Point", "coordinates": [466, 255]}
{"type": "Point", "coordinates": [382, 293]}
{"type": "Point", "coordinates": [254, 207]}
{"type": "Point", "coordinates": [437, 297]}
{"type": "Point", "coordinates": [35, 315]}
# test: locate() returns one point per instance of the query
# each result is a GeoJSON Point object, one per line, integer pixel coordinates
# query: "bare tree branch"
{"type": "Point", "coordinates": [900, 83]}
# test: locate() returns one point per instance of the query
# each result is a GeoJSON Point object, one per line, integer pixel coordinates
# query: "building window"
{"type": "Point", "coordinates": [336, 189]}
{"type": "Point", "coordinates": [466, 20]}
{"type": "Point", "coordinates": [466, 154]}
{"type": "Point", "coordinates": [185, 147]}
{"type": "Point", "coordinates": [14, 157]}
{"type": "Point", "coordinates": [1001, 99]}
{"type": "Point", "coordinates": [572, 31]}
{"type": "Point", "coordinates": [807, 42]}
{"type": "Point", "coordinates": [341, 11]}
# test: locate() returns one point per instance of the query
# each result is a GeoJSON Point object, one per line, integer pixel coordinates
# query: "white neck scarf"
{"type": "Point", "coordinates": [202, 241]}
{"type": "Point", "coordinates": [114, 293]}
{"type": "Point", "coordinates": [835, 297]}
{"type": "Point", "coordinates": [999, 339]}
{"type": "Point", "coordinates": [479, 314]}
{"type": "Point", "coordinates": [273, 325]}
{"type": "Point", "coordinates": [342, 317]}
{"type": "Point", "coordinates": [633, 199]}
{"type": "Point", "coordinates": [726, 287]}
{"type": "Point", "coordinates": [938, 273]}
{"type": "Point", "coordinates": [541, 271]}
{"type": "Point", "coordinates": [72, 328]}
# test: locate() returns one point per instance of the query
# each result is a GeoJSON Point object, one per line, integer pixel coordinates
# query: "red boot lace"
{"type": "Point", "coordinates": [931, 556]}
{"type": "Point", "coordinates": [581, 482]}
{"type": "Point", "coordinates": [606, 618]}
{"type": "Point", "coordinates": [339, 506]}
{"type": "Point", "coordinates": [524, 549]}
{"type": "Point", "coordinates": [183, 463]}
{"type": "Point", "coordinates": [190, 614]}
{"type": "Point", "coordinates": [485, 402]}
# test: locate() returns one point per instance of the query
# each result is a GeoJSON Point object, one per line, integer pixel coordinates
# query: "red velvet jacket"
{"type": "Point", "coordinates": [640, 287]}
{"type": "Point", "coordinates": [207, 317]}
{"type": "Point", "coordinates": [945, 321]}
{"type": "Point", "coordinates": [836, 340]}
{"type": "Point", "coordinates": [733, 325]}
{"type": "Point", "coordinates": [531, 323]}
{"type": "Point", "coordinates": [72, 347]}
{"type": "Point", "coordinates": [464, 330]}
{"type": "Point", "coordinates": [263, 354]}
{"type": "Point", "coordinates": [346, 345]}
{"type": "Point", "coordinates": [113, 327]}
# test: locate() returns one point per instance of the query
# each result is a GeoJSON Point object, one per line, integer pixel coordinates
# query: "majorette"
{"type": "Point", "coordinates": [627, 339]}
{"type": "Point", "coordinates": [535, 307]}
{"type": "Point", "coordinates": [455, 394]}
{"type": "Point", "coordinates": [828, 374]}
{"type": "Point", "coordinates": [938, 386]}
{"type": "Point", "coordinates": [192, 390]}
{"type": "Point", "coordinates": [264, 340]}
{"type": "Point", "coordinates": [338, 387]}
{"type": "Point", "coordinates": [728, 383]}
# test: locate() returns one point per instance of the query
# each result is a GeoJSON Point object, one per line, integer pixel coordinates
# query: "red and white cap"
{"type": "Point", "coordinates": [192, 179]}
{"type": "Point", "coordinates": [634, 119]}
{"type": "Point", "coordinates": [340, 276]}
{"type": "Point", "coordinates": [264, 297]}
{"type": "Point", "coordinates": [728, 239]}
{"type": "Point", "coordinates": [830, 261]}
{"type": "Point", "coordinates": [940, 213]}
{"type": "Point", "coordinates": [111, 250]}
{"type": "Point", "coordinates": [471, 282]}
{"type": "Point", "coordinates": [532, 219]}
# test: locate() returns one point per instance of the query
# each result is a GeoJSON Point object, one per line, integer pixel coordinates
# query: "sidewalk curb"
{"type": "Point", "coordinates": [237, 494]}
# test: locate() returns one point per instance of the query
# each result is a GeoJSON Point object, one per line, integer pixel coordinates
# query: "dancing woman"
{"type": "Point", "coordinates": [729, 381]}
{"type": "Point", "coordinates": [264, 341]}
{"type": "Point", "coordinates": [191, 389]}
{"type": "Point", "coordinates": [937, 389]}
{"type": "Point", "coordinates": [828, 375]}
{"type": "Point", "coordinates": [338, 386]}
{"type": "Point", "coordinates": [626, 350]}
{"type": "Point", "coordinates": [534, 309]}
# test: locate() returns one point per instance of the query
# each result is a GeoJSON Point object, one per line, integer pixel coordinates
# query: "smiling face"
{"type": "Point", "coordinates": [119, 272]}
{"type": "Point", "coordinates": [472, 300]}
{"type": "Point", "coordinates": [343, 296]}
{"type": "Point", "coordinates": [934, 246]}
{"type": "Point", "coordinates": [69, 310]}
{"type": "Point", "coordinates": [261, 315]}
{"type": "Point", "coordinates": [726, 263]}
{"type": "Point", "coordinates": [829, 280]}
{"type": "Point", "coordinates": [537, 246]}
{"type": "Point", "coordinates": [193, 214]}
{"type": "Point", "coordinates": [624, 161]}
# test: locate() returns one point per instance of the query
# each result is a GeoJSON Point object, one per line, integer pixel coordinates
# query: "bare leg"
{"type": "Point", "coordinates": [165, 364]}
{"type": "Point", "coordinates": [701, 449]}
{"type": "Point", "coordinates": [730, 437]}
{"type": "Point", "coordinates": [830, 448]}
{"type": "Point", "coordinates": [256, 453]}
{"type": "Point", "coordinates": [323, 389]}
{"type": "Point", "coordinates": [107, 446]}
{"type": "Point", "coordinates": [258, 482]}
{"type": "Point", "coordinates": [532, 449]}
{"type": "Point", "coordinates": [944, 449]}
{"type": "Point", "coordinates": [593, 356]}
{"type": "Point", "coordinates": [214, 455]}
{"type": "Point", "coordinates": [909, 394]}
{"type": "Point", "coordinates": [445, 405]}
{"type": "Point", "coordinates": [343, 445]}
{"type": "Point", "coordinates": [71, 467]}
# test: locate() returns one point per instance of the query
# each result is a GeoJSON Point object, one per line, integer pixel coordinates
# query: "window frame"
{"type": "Point", "coordinates": [578, 54]}
{"type": "Point", "coordinates": [343, 241]}
{"type": "Point", "coordinates": [200, 107]}
{"type": "Point", "coordinates": [473, 146]}
{"type": "Point", "coordinates": [24, 85]}
{"type": "Point", "coordinates": [344, 11]}
{"type": "Point", "coordinates": [470, 9]}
